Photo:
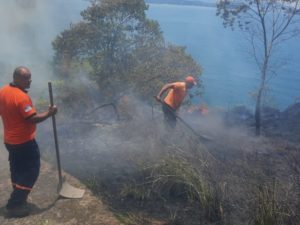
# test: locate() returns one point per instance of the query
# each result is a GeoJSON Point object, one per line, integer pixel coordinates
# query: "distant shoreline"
{"type": "Point", "coordinates": [183, 3]}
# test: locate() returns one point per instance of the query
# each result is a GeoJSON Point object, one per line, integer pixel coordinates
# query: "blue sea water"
{"type": "Point", "coordinates": [230, 75]}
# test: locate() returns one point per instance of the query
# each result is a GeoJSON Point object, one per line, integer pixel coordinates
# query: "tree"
{"type": "Point", "coordinates": [162, 66]}
{"type": "Point", "coordinates": [117, 43]}
{"type": "Point", "coordinates": [267, 24]}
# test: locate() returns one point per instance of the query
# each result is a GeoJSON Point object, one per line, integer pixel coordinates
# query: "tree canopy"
{"type": "Point", "coordinates": [121, 49]}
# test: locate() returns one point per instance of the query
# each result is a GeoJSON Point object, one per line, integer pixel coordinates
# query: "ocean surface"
{"type": "Point", "coordinates": [230, 76]}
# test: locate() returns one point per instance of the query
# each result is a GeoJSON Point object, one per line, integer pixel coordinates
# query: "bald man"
{"type": "Point", "coordinates": [19, 119]}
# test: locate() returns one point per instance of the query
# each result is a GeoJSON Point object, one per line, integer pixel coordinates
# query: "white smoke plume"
{"type": "Point", "coordinates": [27, 29]}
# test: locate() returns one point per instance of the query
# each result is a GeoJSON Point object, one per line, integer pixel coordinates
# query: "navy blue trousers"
{"type": "Point", "coordinates": [169, 116]}
{"type": "Point", "coordinates": [24, 161]}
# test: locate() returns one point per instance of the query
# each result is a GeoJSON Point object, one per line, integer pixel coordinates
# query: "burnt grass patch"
{"type": "Point", "coordinates": [148, 176]}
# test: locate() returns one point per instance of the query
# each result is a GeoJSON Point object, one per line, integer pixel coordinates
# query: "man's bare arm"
{"type": "Point", "coordinates": [163, 90]}
{"type": "Point", "coordinates": [40, 117]}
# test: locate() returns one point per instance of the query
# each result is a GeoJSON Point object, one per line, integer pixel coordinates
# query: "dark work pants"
{"type": "Point", "coordinates": [169, 116]}
{"type": "Point", "coordinates": [24, 161]}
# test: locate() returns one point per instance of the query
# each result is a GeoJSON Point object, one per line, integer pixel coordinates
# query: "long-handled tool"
{"type": "Point", "coordinates": [64, 188]}
{"type": "Point", "coordinates": [200, 136]}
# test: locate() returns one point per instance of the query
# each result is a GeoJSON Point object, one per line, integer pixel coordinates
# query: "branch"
{"type": "Point", "coordinates": [253, 10]}
{"type": "Point", "coordinates": [254, 52]}
{"type": "Point", "coordinates": [293, 13]}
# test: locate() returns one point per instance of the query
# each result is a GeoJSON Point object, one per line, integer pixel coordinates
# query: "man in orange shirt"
{"type": "Point", "coordinates": [19, 119]}
{"type": "Point", "coordinates": [174, 98]}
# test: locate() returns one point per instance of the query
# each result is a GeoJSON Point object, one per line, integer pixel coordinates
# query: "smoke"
{"type": "Point", "coordinates": [111, 154]}
{"type": "Point", "coordinates": [99, 141]}
{"type": "Point", "coordinates": [115, 150]}
{"type": "Point", "coordinates": [27, 29]}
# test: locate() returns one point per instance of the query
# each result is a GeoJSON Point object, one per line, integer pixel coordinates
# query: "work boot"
{"type": "Point", "coordinates": [17, 211]}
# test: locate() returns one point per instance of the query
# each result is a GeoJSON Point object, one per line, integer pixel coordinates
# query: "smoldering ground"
{"type": "Point", "coordinates": [134, 158]}
{"type": "Point", "coordinates": [119, 158]}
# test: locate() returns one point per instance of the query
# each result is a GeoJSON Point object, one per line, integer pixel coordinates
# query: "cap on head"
{"type": "Point", "coordinates": [190, 80]}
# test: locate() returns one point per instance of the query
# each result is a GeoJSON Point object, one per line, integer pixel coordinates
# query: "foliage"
{"type": "Point", "coordinates": [175, 178]}
{"type": "Point", "coordinates": [269, 210]}
{"type": "Point", "coordinates": [121, 49]}
{"type": "Point", "coordinates": [72, 96]}
{"type": "Point", "coordinates": [162, 66]}
{"type": "Point", "coordinates": [266, 23]}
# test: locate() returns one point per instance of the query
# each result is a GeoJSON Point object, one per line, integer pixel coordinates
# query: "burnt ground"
{"type": "Point", "coordinates": [111, 159]}
{"type": "Point", "coordinates": [47, 209]}
{"type": "Point", "coordinates": [108, 157]}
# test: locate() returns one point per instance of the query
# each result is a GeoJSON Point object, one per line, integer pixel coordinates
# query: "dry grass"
{"type": "Point", "coordinates": [271, 206]}
{"type": "Point", "coordinates": [145, 173]}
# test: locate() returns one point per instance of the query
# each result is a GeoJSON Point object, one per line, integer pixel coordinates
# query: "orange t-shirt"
{"type": "Point", "coordinates": [176, 95]}
{"type": "Point", "coordinates": [15, 107]}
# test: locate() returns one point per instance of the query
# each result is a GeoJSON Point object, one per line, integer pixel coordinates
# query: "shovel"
{"type": "Point", "coordinates": [64, 188]}
{"type": "Point", "coordinates": [201, 137]}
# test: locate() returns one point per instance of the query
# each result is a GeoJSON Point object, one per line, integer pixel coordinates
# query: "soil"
{"type": "Point", "coordinates": [110, 156]}
{"type": "Point", "coordinates": [47, 207]}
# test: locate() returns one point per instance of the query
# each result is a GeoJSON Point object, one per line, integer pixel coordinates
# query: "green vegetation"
{"type": "Point", "coordinates": [269, 208]}
{"type": "Point", "coordinates": [145, 174]}
{"type": "Point", "coordinates": [154, 182]}
{"type": "Point", "coordinates": [148, 176]}
{"type": "Point", "coordinates": [121, 50]}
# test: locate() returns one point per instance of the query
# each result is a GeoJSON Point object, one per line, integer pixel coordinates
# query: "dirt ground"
{"type": "Point", "coordinates": [47, 208]}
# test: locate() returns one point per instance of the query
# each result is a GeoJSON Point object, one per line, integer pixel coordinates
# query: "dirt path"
{"type": "Point", "coordinates": [47, 208]}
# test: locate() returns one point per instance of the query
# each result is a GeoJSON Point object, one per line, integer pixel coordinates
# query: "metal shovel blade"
{"type": "Point", "coordinates": [68, 191]}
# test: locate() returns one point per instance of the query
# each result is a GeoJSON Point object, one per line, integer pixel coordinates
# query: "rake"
{"type": "Point", "coordinates": [64, 188]}
{"type": "Point", "coordinates": [201, 137]}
